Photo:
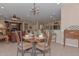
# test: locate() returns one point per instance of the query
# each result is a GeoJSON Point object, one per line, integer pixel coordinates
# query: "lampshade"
{"type": "Point", "coordinates": [2, 26]}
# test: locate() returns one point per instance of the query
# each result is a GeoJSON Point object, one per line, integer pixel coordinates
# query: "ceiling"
{"type": "Point", "coordinates": [48, 11]}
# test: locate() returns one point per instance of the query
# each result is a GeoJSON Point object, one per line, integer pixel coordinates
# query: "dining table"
{"type": "Point", "coordinates": [34, 40]}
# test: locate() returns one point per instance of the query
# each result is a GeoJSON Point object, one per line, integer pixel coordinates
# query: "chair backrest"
{"type": "Point", "coordinates": [49, 37]}
{"type": "Point", "coordinates": [19, 40]}
{"type": "Point", "coordinates": [18, 35]}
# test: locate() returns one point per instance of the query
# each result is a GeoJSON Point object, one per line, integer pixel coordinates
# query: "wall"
{"type": "Point", "coordinates": [69, 16]}
{"type": "Point", "coordinates": [58, 36]}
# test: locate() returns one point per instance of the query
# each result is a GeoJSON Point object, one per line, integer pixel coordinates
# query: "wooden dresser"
{"type": "Point", "coordinates": [73, 34]}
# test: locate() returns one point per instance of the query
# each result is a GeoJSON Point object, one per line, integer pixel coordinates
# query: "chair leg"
{"type": "Point", "coordinates": [78, 43]}
{"type": "Point", "coordinates": [49, 52]}
{"type": "Point", "coordinates": [17, 51]}
{"type": "Point", "coordinates": [44, 53]}
{"type": "Point", "coordinates": [22, 52]}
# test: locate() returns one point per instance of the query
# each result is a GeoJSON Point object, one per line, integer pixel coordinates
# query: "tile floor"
{"type": "Point", "coordinates": [10, 49]}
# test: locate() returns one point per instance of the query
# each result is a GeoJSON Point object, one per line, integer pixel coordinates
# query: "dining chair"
{"type": "Point", "coordinates": [45, 46]}
{"type": "Point", "coordinates": [54, 36]}
{"type": "Point", "coordinates": [22, 46]}
{"type": "Point", "coordinates": [4, 37]}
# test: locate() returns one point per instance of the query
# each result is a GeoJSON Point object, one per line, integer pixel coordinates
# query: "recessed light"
{"type": "Point", "coordinates": [51, 16]}
{"type": "Point", "coordinates": [0, 13]}
{"type": "Point", "coordinates": [28, 15]}
{"type": "Point", "coordinates": [58, 3]}
{"type": "Point", "coordinates": [2, 7]}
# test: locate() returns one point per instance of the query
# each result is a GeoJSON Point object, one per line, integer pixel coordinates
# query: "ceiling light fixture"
{"type": "Point", "coordinates": [58, 3]}
{"type": "Point", "coordinates": [51, 16]}
{"type": "Point", "coordinates": [28, 15]}
{"type": "Point", "coordinates": [0, 13]}
{"type": "Point", "coordinates": [2, 7]}
{"type": "Point", "coordinates": [35, 10]}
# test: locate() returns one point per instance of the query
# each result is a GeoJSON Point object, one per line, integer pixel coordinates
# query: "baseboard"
{"type": "Point", "coordinates": [67, 44]}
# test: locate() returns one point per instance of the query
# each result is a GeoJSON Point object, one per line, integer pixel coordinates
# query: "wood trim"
{"type": "Point", "coordinates": [74, 34]}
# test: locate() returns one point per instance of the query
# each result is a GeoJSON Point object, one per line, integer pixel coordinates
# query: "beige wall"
{"type": "Point", "coordinates": [69, 16]}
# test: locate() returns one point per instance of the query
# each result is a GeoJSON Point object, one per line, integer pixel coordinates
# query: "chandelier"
{"type": "Point", "coordinates": [35, 10]}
